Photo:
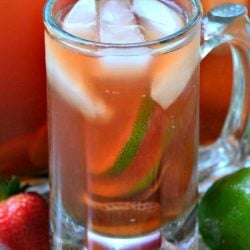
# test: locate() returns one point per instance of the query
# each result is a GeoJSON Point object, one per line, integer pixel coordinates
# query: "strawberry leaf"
{"type": "Point", "coordinates": [9, 188]}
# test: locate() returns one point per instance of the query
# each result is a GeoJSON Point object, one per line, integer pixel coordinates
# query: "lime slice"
{"type": "Point", "coordinates": [138, 132]}
{"type": "Point", "coordinates": [112, 146]}
{"type": "Point", "coordinates": [143, 165]}
{"type": "Point", "coordinates": [152, 175]}
{"type": "Point", "coordinates": [224, 213]}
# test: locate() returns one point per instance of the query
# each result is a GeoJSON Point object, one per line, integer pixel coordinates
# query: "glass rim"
{"type": "Point", "coordinates": [58, 32]}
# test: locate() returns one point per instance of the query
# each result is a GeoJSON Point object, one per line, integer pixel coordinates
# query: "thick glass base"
{"type": "Point", "coordinates": [180, 234]}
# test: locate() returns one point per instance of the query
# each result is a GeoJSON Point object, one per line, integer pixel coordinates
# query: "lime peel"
{"type": "Point", "coordinates": [224, 213]}
{"type": "Point", "coordinates": [138, 132]}
{"type": "Point", "coordinates": [150, 177]}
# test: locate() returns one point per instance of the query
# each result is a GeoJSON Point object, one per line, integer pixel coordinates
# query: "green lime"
{"type": "Point", "coordinates": [138, 132]}
{"type": "Point", "coordinates": [224, 213]}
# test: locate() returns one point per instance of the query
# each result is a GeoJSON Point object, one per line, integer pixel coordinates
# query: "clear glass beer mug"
{"type": "Point", "coordinates": [123, 98]}
{"type": "Point", "coordinates": [223, 105]}
{"type": "Point", "coordinates": [210, 4]}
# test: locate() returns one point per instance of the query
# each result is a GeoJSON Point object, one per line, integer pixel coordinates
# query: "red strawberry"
{"type": "Point", "coordinates": [24, 220]}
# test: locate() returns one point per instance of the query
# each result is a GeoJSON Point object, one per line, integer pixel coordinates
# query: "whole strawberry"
{"type": "Point", "coordinates": [24, 219]}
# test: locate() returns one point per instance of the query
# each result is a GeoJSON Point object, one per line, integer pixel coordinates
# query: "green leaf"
{"type": "Point", "coordinates": [9, 187]}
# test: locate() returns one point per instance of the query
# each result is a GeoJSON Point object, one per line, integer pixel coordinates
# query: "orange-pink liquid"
{"type": "Point", "coordinates": [99, 189]}
{"type": "Point", "coordinates": [216, 85]}
{"type": "Point", "coordinates": [23, 143]}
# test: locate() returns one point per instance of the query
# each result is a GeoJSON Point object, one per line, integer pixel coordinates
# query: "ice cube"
{"type": "Point", "coordinates": [74, 92]}
{"type": "Point", "coordinates": [116, 12]}
{"type": "Point", "coordinates": [125, 63]}
{"type": "Point", "coordinates": [169, 82]}
{"type": "Point", "coordinates": [81, 20]}
{"type": "Point", "coordinates": [157, 18]}
{"type": "Point", "coordinates": [118, 23]}
{"type": "Point", "coordinates": [120, 34]}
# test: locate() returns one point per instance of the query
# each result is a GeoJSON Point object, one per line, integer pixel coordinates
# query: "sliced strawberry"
{"type": "Point", "coordinates": [123, 218]}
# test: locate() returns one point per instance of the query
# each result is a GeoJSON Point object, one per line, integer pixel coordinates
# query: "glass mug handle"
{"type": "Point", "coordinates": [228, 24]}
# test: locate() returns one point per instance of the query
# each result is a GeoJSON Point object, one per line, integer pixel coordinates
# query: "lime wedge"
{"type": "Point", "coordinates": [142, 165]}
{"type": "Point", "coordinates": [152, 175]}
{"type": "Point", "coordinates": [138, 132]}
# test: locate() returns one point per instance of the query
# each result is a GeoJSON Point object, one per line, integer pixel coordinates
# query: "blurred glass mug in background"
{"type": "Point", "coordinates": [123, 118]}
{"type": "Point", "coordinates": [224, 102]}
{"type": "Point", "coordinates": [210, 4]}
{"type": "Point", "coordinates": [23, 132]}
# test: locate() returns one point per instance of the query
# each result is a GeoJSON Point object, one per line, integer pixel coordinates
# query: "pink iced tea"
{"type": "Point", "coordinates": [123, 121]}
{"type": "Point", "coordinates": [23, 131]}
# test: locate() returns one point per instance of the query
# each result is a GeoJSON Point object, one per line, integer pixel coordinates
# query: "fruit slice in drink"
{"type": "Point", "coordinates": [147, 216]}
{"type": "Point", "coordinates": [126, 145]}
{"type": "Point", "coordinates": [138, 166]}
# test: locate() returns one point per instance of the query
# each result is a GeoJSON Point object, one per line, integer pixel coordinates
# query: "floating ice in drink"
{"type": "Point", "coordinates": [157, 19]}
{"type": "Point", "coordinates": [122, 22]}
{"type": "Point", "coordinates": [81, 20]}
